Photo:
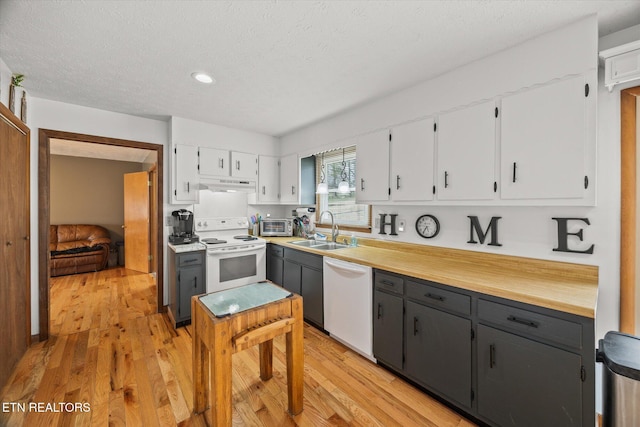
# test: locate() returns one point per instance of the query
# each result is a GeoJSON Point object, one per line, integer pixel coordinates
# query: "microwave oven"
{"type": "Point", "coordinates": [276, 227]}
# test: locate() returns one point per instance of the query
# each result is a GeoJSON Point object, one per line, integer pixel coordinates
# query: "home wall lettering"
{"type": "Point", "coordinates": [563, 235]}
{"type": "Point", "coordinates": [476, 228]}
{"type": "Point", "coordinates": [480, 235]}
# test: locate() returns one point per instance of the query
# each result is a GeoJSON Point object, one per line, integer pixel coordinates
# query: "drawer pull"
{"type": "Point", "coordinates": [379, 310]}
{"type": "Point", "coordinates": [434, 296]}
{"type": "Point", "coordinates": [388, 283]}
{"type": "Point", "coordinates": [415, 326]}
{"type": "Point", "coordinates": [492, 356]}
{"type": "Point", "coordinates": [186, 261]}
{"type": "Point", "coordinates": [522, 321]}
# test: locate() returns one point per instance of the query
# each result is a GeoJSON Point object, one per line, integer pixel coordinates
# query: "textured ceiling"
{"type": "Point", "coordinates": [279, 65]}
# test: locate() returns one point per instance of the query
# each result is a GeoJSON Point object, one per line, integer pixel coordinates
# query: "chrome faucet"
{"type": "Point", "coordinates": [334, 227]}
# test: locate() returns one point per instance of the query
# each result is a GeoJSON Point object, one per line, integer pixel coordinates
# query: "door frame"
{"type": "Point", "coordinates": [628, 204]}
{"type": "Point", "coordinates": [44, 196]}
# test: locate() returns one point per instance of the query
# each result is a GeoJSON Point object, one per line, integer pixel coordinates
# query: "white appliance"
{"type": "Point", "coordinates": [233, 257]}
{"type": "Point", "coordinates": [228, 185]}
{"type": "Point", "coordinates": [348, 303]}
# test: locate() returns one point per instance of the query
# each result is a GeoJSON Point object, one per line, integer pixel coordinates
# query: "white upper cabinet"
{"type": "Point", "coordinates": [544, 138]}
{"type": "Point", "coordinates": [289, 182]}
{"type": "Point", "coordinates": [372, 167]}
{"type": "Point", "coordinates": [412, 160]}
{"type": "Point", "coordinates": [213, 162]}
{"type": "Point", "coordinates": [185, 177]}
{"type": "Point", "coordinates": [244, 165]}
{"type": "Point", "coordinates": [466, 153]}
{"type": "Point", "coordinates": [268, 179]}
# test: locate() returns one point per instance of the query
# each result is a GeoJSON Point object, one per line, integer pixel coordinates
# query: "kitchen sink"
{"type": "Point", "coordinates": [319, 244]}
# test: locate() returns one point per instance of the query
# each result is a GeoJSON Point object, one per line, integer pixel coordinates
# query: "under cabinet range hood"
{"type": "Point", "coordinates": [228, 185]}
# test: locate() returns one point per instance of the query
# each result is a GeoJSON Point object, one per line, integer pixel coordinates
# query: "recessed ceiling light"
{"type": "Point", "coordinates": [202, 77]}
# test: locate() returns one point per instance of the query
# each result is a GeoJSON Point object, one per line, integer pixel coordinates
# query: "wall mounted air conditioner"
{"type": "Point", "coordinates": [621, 64]}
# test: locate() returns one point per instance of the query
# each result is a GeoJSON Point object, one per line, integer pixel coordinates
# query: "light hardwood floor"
{"type": "Point", "coordinates": [110, 349]}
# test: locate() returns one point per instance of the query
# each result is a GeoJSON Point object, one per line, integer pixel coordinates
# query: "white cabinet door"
{"type": "Point", "coordinates": [213, 162]}
{"type": "Point", "coordinates": [412, 158]}
{"type": "Point", "coordinates": [268, 179]}
{"type": "Point", "coordinates": [544, 139]}
{"type": "Point", "coordinates": [289, 182]}
{"type": "Point", "coordinates": [244, 165]}
{"type": "Point", "coordinates": [185, 176]}
{"type": "Point", "coordinates": [466, 153]}
{"type": "Point", "coordinates": [372, 167]}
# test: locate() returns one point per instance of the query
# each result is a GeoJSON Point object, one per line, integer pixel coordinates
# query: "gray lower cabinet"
{"type": "Point", "coordinates": [525, 383]}
{"type": "Point", "coordinates": [302, 274]}
{"type": "Point", "coordinates": [504, 362]}
{"type": "Point", "coordinates": [438, 351]}
{"type": "Point", "coordinates": [275, 263]}
{"type": "Point", "coordinates": [387, 328]}
{"type": "Point", "coordinates": [187, 277]}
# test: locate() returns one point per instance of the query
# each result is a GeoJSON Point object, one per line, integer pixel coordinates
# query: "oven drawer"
{"type": "Point", "coordinates": [195, 258]}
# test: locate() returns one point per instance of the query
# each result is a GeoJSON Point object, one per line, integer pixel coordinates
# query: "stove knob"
{"type": "Point", "coordinates": [199, 224]}
{"type": "Point", "coordinates": [205, 223]}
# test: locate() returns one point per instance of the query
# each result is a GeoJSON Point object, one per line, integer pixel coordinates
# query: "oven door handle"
{"type": "Point", "coordinates": [235, 251]}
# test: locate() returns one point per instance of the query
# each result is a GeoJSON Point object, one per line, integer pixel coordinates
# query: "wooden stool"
{"type": "Point", "coordinates": [215, 339]}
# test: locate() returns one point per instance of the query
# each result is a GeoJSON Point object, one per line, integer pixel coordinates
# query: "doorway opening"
{"type": "Point", "coordinates": [629, 220]}
{"type": "Point", "coordinates": [44, 169]}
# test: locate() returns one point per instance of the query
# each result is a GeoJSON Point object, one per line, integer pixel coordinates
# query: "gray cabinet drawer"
{"type": "Point", "coordinates": [438, 297]}
{"type": "Point", "coordinates": [304, 258]}
{"type": "Point", "coordinates": [388, 282]}
{"type": "Point", "coordinates": [193, 258]}
{"type": "Point", "coordinates": [275, 250]}
{"type": "Point", "coordinates": [530, 323]}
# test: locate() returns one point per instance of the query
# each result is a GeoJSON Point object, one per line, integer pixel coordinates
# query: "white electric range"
{"type": "Point", "coordinates": [234, 258]}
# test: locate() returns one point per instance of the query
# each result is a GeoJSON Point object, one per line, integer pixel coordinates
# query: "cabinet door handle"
{"type": "Point", "coordinates": [238, 164]}
{"type": "Point", "coordinates": [188, 187]}
{"type": "Point", "coordinates": [415, 326]}
{"type": "Point", "coordinates": [514, 171]}
{"type": "Point", "coordinates": [434, 296]}
{"type": "Point", "coordinates": [388, 283]}
{"type": "Point", "coordinates": [293, 189]}
{"type": "Point", "coordinates": [379, 310]}
{"type": "Point", "coordinates": [195, 282]}
{"type": "Point", "coordinates": [492, 356]}
{"type": "Point", "coordinates": [362, 184]}
{"type": "Point", "coordinates": [525, 322]}
{"type": "Point", "coordinates": [221, 163]}
{"type": "Point", "coordinates": [446, 179]}
{"type": "Point", "coordinates": [397, 182]}
{"type": "Point", "coordinates": [263, 190]}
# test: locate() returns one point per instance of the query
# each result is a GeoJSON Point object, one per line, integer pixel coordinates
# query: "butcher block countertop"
{"type": "Point", "coordinates": [567, 287]}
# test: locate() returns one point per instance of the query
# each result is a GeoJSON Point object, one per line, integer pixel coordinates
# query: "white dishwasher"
{"type": "Point", "coordinates": [348, 304]}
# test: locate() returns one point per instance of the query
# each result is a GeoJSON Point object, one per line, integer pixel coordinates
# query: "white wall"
{"type": "Point", "coordinates": [47, 114]}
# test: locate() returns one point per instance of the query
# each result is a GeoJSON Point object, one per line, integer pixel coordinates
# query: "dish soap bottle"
{"type": "Point", "coordinates": [354, 241]}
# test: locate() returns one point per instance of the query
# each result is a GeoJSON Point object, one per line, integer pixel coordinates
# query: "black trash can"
{"type": "Point", "coordinates": [620, 355]}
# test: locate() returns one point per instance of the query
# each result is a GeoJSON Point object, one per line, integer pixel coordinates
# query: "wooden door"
{"type": "Point", "coordinates": [136, 221]}
{"type": "Point", "coordinates": [14, 242]}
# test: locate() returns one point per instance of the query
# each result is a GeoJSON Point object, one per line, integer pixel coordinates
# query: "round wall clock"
{"type": "Point", "coordinates": [427, 226]}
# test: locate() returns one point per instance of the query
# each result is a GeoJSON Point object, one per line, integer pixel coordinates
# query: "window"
{"type": "Point", "coordinates": [339, 164]}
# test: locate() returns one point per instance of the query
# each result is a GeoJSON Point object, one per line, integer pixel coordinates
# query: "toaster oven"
{"type": "Point", "coordinates": [276, 227]}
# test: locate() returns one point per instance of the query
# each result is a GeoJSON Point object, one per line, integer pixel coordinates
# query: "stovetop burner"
{"type": "Point", "coordinates": [245, 237]}
{"type": "Point", "coordinates": [213, 241]}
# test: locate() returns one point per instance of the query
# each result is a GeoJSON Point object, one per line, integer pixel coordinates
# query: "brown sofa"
{"type": "Point", "coordinates": [78, 248]}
